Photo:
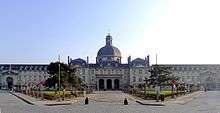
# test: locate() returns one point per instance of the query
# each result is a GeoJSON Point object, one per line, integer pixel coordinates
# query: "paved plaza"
{"type": "Point", "coordinates": [208, 102]}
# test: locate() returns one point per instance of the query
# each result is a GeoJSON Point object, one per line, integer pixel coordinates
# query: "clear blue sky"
{"type": "Point", "coordinates": [36, 31]}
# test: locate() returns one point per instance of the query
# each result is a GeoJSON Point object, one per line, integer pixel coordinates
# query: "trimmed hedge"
{"type": "Point", "coordinates": [51, 95]}
{"type": "Point", "coordinates": [153, 95]}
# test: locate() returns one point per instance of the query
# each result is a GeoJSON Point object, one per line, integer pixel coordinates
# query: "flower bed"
{"type": "Point", "coordinates": [152, 94]}
{"type": "Point", "coordinates": [52, 95]}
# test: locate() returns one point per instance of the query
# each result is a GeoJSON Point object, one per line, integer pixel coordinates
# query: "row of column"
{"type": "Point", "coordinates": [106, 83]}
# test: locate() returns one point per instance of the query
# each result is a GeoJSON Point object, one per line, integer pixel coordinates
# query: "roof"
{"type": "Point", "coordinates": [109, 51]}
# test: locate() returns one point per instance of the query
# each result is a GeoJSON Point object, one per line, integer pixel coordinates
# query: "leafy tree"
{"type": "Point", "coordinates": [50, 82]}
{"type": "Point", "coordinates": [160, 75]}
{"type": "Point", "coordinates": [67, 75]}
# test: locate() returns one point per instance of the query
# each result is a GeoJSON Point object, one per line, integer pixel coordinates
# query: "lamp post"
{"type": "Point", "coordinates": [157, 88]}
{"type": "Point", "coordinates": [59, 79]}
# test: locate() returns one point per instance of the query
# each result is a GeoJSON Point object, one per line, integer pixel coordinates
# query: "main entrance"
{"type": "Point", "coordinates": [108, 84]}
{"type": "Point", "coordinates": [9, 81]}
{"type": "Point", "coordinates": [210, 83]}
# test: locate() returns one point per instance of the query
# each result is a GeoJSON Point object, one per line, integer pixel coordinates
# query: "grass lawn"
{"type": "Point", "coordinates": [165, 92]}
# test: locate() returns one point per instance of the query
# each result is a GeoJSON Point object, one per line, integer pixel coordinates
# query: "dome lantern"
{"type": "Point", "coordinates": [108, 40]}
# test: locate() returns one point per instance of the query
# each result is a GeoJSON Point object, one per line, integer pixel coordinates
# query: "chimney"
{"type": "Point", "coordinates": [129, 59]}
{"type": "Point", "coordinates": [68, 60]}
{"type": "Point", "coordinates": [87, 59]}
{"type": "Point", "coordinates": [148, 60]}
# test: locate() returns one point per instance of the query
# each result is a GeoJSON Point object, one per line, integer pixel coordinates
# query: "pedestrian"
{"type": "Point", "coordinates": [87, 100]}
{"type": "Point", "coordinates": [125, 101]}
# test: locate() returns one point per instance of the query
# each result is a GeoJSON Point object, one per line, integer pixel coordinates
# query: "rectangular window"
{"type": "Point", "coordinates": [83, 78]}
{"type": "Point", "coordinates": [134, 79]}
{"type": "Point", "coordinates": [140, 79]}
{"type": "Point", "coordinates": [93, 72]}
{"type": "Point", "coordinates": [183, 79]}
{"type": "Point", "coordinates": [109, 71]}
{"type": "Point", "coordinates": [140, 71]}
{"type": "Point", "coordinates": [120, 71]}
{"type": "Point", "coordinates": [134, 71]}
{"type": "Point", "coordinates": [146, 71]}
{"type": "Point", "coordinates": [116, 71]}
{"type": "Point", "coordinates": [83, 71]}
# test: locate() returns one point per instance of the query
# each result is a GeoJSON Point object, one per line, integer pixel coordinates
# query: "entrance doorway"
{"type": "Point", "coordinates": [109, 84]}
{"type": "Point", "coordinates": [101, 84]}
{"type": "Point", "coordinates": [210, 83]}
{"type": "Point", "coordinates": [116, 84]}
{"type": "Point", "coordinates": [9, 81]}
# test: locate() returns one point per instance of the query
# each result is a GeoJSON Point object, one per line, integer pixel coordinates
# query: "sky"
{"type": "Point", "coordinates": [178, 31]}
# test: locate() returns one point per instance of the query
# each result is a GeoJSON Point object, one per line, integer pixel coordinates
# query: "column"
{"type": "Point", "coordinates": [97, 84]}
{"type": "Point", "coordinates": [113, 87]}
{"type": "Point", "coordinates": [105, 84]}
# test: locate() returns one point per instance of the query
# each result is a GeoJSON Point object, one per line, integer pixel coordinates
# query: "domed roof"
{"type": "Point", "coordinates": [109, 51]}
{"type": "Point", "coordinates": [78, 61]}
{"type": "Point", "coordinates": [139, 62]}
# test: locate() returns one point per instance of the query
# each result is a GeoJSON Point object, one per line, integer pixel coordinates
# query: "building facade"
{"type": "Point", "coordinates": [19, 76]}
{"type": "Point", "coordinates": [205, 75]}
{"type": "Point", "coordinates": [109, 73]}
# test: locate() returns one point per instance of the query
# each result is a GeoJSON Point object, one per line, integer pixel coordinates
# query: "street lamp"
{"type": "Point", "coordinates": [157, 83]}
{"type": "Point", "coordinates": [59, 79]}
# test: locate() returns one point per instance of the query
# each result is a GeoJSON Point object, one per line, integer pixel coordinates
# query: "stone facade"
{"type": "Point", "coordinates": [18, 75]}
{"type": "Point", "coordinates": [109, 73]}
{"type": "Point", "coordinates": [206, 75]}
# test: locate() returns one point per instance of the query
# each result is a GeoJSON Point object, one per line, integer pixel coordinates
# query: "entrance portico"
{"type": "Point", "coordinates": [108, 82]}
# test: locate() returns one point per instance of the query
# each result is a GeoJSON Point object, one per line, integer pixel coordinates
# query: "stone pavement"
{"type": "Point", "coordinates": [116, 97]}
{"type": "Point", "coordinates": [185, 98]}
{"type": "Point", "coordinates": [208, 102]}
{"type": "Point", "coordinates": [40, 102]}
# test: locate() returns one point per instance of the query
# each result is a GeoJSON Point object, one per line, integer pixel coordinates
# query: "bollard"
{"type": "Point", "coordinates": [125, 101]}
{"type": "Point", "coordinates": [87, 100]}
{"type": "Point", "coordinates": [162, 97]}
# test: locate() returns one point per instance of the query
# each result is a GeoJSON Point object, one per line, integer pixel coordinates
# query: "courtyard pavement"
{"type": "Point", "coordinates": [208, 102]}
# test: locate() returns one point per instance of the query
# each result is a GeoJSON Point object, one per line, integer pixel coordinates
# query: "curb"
{"type": "Point", "coordinates": [188, 99]}
{"type": "Point", "coordinates": [25, 100]}
{"type": "Point", "coordinates": [31, 103]}
{"type": "Point", "coordinates": [150, 104]}
{"type": "Point", "coordinates": [57, 104]}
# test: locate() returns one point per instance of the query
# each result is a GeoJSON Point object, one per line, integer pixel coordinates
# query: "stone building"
{"type": "Point", "coordinates": [109, 73]}
{"type": "Point", "coordinates": [207, 75]}
{"type": "Point", "coordinates": [22, 75]}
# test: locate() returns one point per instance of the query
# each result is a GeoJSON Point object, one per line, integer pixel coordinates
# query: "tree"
{"type": "Point", "coordinates": [160, 75]}
{"type": "Point", "coordinates": [67, 75]}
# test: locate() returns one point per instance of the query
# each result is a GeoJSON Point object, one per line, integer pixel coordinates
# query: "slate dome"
{"type": "Point", "coordinates": [108, 52]}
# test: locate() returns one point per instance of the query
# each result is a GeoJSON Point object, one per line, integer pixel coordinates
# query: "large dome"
{"type": "Point", "coordinates": [108, 53]}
